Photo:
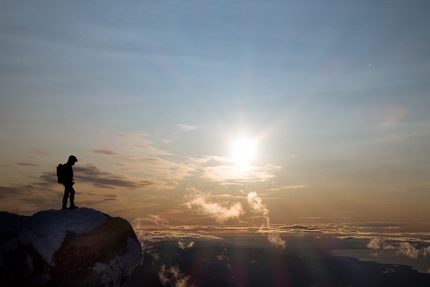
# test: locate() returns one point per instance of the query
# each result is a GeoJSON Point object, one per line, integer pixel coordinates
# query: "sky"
{"type": "Point", "coordinates": [218, 112]}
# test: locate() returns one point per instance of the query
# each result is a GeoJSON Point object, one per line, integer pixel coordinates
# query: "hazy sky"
{"type": "Point", "coordinates": [332, 99]}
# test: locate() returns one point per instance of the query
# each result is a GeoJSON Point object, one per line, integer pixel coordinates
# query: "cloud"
{"type": "Point", "coordinates": [426, 251]}
{"type": "Point", "coordinates": [173, 277]}
{"type": "Point", "coordinates": [99, 178]}
{"type": "Point", "coordinates": [165, 233]}
{"type": "Point", "coordinates": [184, 244]}
{"type": "Point", "coordinates": [90, 173]}
{"type": "Point", "coordinates": [187, 127]}
{"type": "Point", "coordinates": [222, 212]}
{"type": "Point", "coordinates": [6, 191]}
{"type": "Point", "coordinates": [107, 195]}
{"type": "Point", "coordinates": [239, 174]}
{"type": "Point", "coordinates": [133, 152]}
{"type": "Point", "coordinates": [288, 187]}
{"type": "Point", "coordinates": [256, 205]}
{"type": "Point", "coordinates": [27, 164]}
{"type": "Point", "coordinates": [379, 243]}
{"type": "Point", "coordinates": [405, 248]}
{"type": "Point", "coordinates": [394, 116]}
{"type": "Point", "coordinates": [202, 204]}
{"type": "Point", "coordinates": [104, 151]}
{"type": "Point", "coordinates": [275, 240]}
{"type": "Point", "coordinates": [150, 219]}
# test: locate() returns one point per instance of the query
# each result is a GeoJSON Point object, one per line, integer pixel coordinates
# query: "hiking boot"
{"type": "Point", "coordinates": [73, 207]}
{"type": "Point", "coordinates": [64, 207]}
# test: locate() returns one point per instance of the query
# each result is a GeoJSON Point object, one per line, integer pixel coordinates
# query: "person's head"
{"type": "Point", "coordinates": [72, 159]}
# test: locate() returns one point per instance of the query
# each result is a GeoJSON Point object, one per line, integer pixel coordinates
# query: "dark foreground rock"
{"type": "Point", "coordinates": [81, 247]}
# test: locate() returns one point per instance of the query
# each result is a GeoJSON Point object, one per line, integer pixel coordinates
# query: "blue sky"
{"type": "Point", "coordinates": [150, 97]}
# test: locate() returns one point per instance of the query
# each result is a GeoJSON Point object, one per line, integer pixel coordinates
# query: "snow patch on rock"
{"type": "Point", "coordinates": [120, 266]}
{"type": "Point", "coordinates": [47, 229]}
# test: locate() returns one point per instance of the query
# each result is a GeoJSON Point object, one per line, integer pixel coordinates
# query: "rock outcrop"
{"type": "Point", "coordinates": [80, 247]}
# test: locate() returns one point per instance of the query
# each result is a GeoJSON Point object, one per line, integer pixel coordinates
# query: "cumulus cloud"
{"type": "Point", "coordinates": [173, 277]}
{"type": "Point", "coordinates": [405, 248]}
{"type": "Point", "coordinates": [426, 251]}
{"type": "Point", "coordinates": [202, 204]}
{"type": "Point", "coordinates": [402, 248]}
{"type": "Point", "coordinates": [379, 243]}
{"type": "Point", "coordinates": [256, 205]}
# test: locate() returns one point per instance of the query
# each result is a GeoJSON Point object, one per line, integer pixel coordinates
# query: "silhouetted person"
{"type": "Point", "coordinates": [67, 181]}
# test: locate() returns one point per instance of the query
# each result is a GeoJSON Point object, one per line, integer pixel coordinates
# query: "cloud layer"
{"type": "Point", "coordinates": [221, 212]}
{"type": "Point", "coordinates": [402, 248]}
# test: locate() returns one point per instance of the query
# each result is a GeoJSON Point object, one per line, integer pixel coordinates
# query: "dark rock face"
{"type": "Point", "coordinates": [81, 247]}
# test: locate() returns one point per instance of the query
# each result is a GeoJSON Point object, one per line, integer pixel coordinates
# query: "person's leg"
{"type": "Point", "coordinates": [72, 198]}
{"type": "Point", "coordinates": [66, 196]}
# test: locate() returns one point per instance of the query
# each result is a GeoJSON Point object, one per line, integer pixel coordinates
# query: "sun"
{"type": "Point", "coordinates": [243, 150]}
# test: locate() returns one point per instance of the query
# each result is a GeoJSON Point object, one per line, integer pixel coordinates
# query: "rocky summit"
{"type": "Point", "coordinates": [79, 247]}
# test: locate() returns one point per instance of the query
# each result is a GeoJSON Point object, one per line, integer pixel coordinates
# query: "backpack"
{"type": "Point", "coordinates": [60, 173]}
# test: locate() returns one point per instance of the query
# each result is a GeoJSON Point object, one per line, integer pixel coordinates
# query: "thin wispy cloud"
{"type": "Point", "coordinates": [134, 144]}
{"type": "Point", "coordinates": [134, 152]}
{"type": "Point", "coordinates": [150, 219]}
{"type": "Point", "coordinates": [107, 195]}
{"type": "Point", "coordinates": [104, 151]}
{"type": "Point", "coordinates": [31, 164]}
{"type": "Point", "coordinates": [239, 174]}
{"type": "Point", "coordinates": [152, 233]}
{"type": "Point", "coordinates": [91, 174]}
{"type": "Point", "coordinates": [187, 128]}
{"type": "Point", "coordinates": [288, 187]}
{"type": "Point", "coordinates": [6, 191]}
{"type": "Point", "coordinates": [393, 116]}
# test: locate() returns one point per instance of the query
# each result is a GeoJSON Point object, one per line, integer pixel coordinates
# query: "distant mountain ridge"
{"type": "Point", "coordinates": [80, 247]}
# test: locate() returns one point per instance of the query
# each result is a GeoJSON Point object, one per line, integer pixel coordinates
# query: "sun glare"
{"type": "Point", "coordinates": [243, 150]}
